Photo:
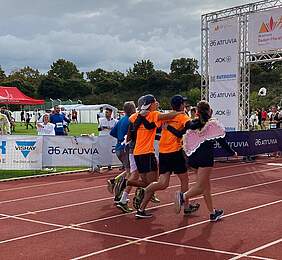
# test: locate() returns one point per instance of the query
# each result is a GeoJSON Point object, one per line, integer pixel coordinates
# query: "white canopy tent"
{"type": "Point", "coordinates": [88, 113]}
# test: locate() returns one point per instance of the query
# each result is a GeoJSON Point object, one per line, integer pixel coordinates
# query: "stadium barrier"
{"type": "Point", "coordinates": [37, 152]}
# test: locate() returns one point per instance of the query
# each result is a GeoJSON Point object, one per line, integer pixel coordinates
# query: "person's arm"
{"type": "Point", "coordinates": [194, 124]}
{"type": "Point", "coordinates": [113, 131]}
{"type": "Point", "coordinates": [225, 145]}
{"type": "Point", "coordinates": [169, 116]}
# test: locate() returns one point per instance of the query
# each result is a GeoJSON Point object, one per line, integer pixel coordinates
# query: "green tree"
{"type": "Point", "coordinates": [52, 87]}
{"type": "Point", "coordinates": [183, 66]}
{"type": "Point", "coordinates": [64, 70]}
{"type": "Point", "coordinates": [143, 69]}
{"type": "Point", "coordinates": [2, 75]}
{"type": "Point", "coordinates": [28, 75]}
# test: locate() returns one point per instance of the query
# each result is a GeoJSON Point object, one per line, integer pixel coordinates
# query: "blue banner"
{"type": "Point", "coordinates": [252, 142]}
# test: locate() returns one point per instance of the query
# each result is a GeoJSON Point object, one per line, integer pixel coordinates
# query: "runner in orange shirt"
{"type": "Point", "coordinates": [171, 160]}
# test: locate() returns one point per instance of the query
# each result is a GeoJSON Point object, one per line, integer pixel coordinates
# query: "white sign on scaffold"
{"type": "Point", "coordinates": [265, 31]}
{"type": "Point", "coordinates": [223, 71]}
{"type": "Point", "coordinates": [20, 152]}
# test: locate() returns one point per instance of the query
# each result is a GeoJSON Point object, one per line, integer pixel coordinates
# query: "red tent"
{"type": "Point", "coordinates": [11, 95]}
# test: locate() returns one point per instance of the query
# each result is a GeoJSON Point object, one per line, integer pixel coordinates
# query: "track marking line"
{"type": "Point", "coordinates": [96, 187]}
{"type": "Point", "coordinates": [108, 198]}
{"type": "Point", "coordinates": [246, 254]}
{"type": "Point", "coordinates": [95, 177]}
{"type": "Point", "coordinates": [172, 231]}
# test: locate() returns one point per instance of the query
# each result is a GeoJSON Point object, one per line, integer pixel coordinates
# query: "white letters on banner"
{"type": "Point", "coordinates": [223, 71]}
{"type": "Point", "coordinates": [20, 152]}
{"type": "Point", "coordinates": [265, 30]}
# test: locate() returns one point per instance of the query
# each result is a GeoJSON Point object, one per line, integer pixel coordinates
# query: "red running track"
{"type": "Point", "coordinates": [73, 217]}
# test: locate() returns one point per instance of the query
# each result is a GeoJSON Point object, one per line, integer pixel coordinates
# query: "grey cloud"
{"type": "Point", "coordinates": [108, 34]}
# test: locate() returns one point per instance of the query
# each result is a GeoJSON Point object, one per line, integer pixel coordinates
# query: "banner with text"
{"type": "Point", "coordinates": [79, 151]}
{"type": "Point", "coordinates": [224, 72]}
{"type": "Point", "coordinates": [265, 30]}
{"type": "Point", "coordinates": [21, 152]}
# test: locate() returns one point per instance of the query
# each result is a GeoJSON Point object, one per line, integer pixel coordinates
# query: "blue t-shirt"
{"type": "Point", "coordinates": [119, 131]}
{"type": "Point", "coordinates": [58, 120]}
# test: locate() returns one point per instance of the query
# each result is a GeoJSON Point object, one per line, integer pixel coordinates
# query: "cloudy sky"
{"type": "Point", "coordinates": [110, 34]}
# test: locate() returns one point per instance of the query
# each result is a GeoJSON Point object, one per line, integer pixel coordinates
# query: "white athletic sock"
{"type": "Point", "coordinates": [124, 197]}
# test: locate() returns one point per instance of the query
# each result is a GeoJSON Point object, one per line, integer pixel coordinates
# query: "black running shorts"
{"type": "Point", "coordinates": [172, 162]}
{"type": "Point", "coordinates": [146, 162]}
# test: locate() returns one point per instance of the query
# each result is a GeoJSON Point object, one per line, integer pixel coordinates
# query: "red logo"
{"type": "Point", "coordinates": [271, 25]}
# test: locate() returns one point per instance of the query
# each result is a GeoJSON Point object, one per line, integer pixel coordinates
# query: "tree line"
{"type": "Point", "coordinates": [64, 81]}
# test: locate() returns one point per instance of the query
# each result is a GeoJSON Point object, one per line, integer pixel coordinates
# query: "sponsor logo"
{"type": "Point", "coordinates": [271, 25]}
{"type": "Point", "coordinates": [3, 151]}
{"type": "Point", "coordinates": [226, 112]}
{"type": "Point", "coordinates": [226, 59]}
{"type": "Point", "coordinates": [222, 77]}
{"type": "Point", "coordinates": [222, 94]}
{"type": "Point", "coordinates": [222, 42]}
{"type": "Point", "coordinates": [25, 147]}
{"type": "Point", "coordinates": [220, 27]}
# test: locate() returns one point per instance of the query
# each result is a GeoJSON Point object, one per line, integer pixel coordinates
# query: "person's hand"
{"type": "Point", "coordinates": [144, 112]}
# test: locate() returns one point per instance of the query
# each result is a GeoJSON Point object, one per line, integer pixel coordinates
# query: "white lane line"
{"type": "Point", "coordinates": [163, 205]}
{"type": "Point", "coordinates": [95, 177]}
{"type": "Point", "coordinates": [46, 184]}
{"type": "Point", "coordinates": [96, 187]}
{"type": "Point", "coordinates": [172, 231]}
{"type": "Point", "coordinates": [31, 235]}
{"type": "Point", "coordinates": [246, 254]}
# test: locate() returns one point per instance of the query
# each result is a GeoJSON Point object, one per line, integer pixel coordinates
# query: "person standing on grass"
{"type": "Point", "coordinates": [27, 120]}
{"type": "Point", "coordinates": [45, 128]}
{"type": "Point", "coordinates": [171, 160]}
{"type": "Point", "coordinates": [107, 123]}
{"type": "Point", "coordinates": [198, 143]}
{"type": "Point", "coordinates": [58, 119]}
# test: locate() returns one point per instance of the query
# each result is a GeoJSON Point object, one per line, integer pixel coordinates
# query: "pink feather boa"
{"type": "Point", "coordinates": [194, 138]}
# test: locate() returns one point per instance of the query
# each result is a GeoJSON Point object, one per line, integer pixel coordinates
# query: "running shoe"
{"type": "Point", "coordinates": [111, 185]}
{"type": "Point", "coordinates": [143, 214]}
{"type": "Point", "coordinates": [192, 208]}
{"type": "Point", "coordinates": [218, 213]}
{"type": "Point", "coordinates": [154, 199]}
{"type": "Point", "coordinates": [117, 199]}
{"type": "Point", "coordinates": [124, 207]}
{"type": "Point", "coordinates": [179, 200]}
{"type": "Point", "coordinates": [137, 200]}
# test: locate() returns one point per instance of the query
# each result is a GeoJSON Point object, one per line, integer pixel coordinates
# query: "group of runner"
{"type": "Point", "coordinates": [136, 133]}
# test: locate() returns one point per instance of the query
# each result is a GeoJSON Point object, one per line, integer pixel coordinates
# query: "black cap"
{"type": "Point", "coordinates": [176, 101]}
{"type": "Point", "coordinates": [147, 101]}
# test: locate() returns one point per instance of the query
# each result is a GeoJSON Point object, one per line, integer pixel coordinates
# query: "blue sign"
{"type": "Point", "coordinates": [25, 147]}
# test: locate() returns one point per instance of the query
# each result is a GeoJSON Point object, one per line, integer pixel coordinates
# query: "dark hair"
{"type": "Point", "coordinates": [203, 109]}
{"type": "Point", "coordinates": [108, 109]}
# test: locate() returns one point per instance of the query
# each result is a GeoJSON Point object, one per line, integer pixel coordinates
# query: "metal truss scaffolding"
{"type": "Point", "coordinates": [245, 57]}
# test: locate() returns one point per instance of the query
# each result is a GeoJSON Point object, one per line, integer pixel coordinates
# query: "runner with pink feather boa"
{"type": "Point", "coordinates": [199, 136]}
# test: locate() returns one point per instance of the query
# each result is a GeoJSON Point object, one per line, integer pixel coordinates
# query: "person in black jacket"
{"type": "Point", "coordinates": [201, 157]}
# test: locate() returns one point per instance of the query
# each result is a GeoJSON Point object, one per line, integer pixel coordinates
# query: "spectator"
{"type": "Point", "coordinates": [100, 114]}
{"type": "Point", "coordinates": [5, 127]}
{"type": "Point", "coordinates": [274, 119]}
{"type": "Point", "coordinates": [193, 113]}
{"type": "Point", "coordinates": [58, 119]}
{"type": "Point", "coordinates": [106, 123]}
{"type": "Point", "coordinates": [65, 123]}
{"type": "Point", "coordinates": [27, 120]}
{"type": "Point", "coordinates": [263, 118]}
{"type": "Point", "coordinates": [22, 117]}
{"type": "Point", "coordinates": [74, 116]}
{"type": "Point", "coordinates": [45, 128]}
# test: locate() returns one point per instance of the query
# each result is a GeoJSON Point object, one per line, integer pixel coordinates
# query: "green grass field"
{"type": "Point", "coordinates": [75, 130]}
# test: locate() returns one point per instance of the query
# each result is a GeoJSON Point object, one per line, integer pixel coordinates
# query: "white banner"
{"type": "Point", "coordinates": [265, 30]}
{"type": "Point", "coordinates": [79, 151]}
{"type": "Point", "coordinates": [20, 152]}
{"type": "Point", "coordinates": [224, 72]}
